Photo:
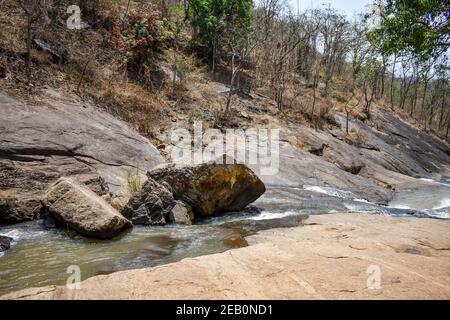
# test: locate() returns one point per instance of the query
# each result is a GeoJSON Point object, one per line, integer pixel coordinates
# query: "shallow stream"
{"type": "Point", "coordinates": [41, 255]}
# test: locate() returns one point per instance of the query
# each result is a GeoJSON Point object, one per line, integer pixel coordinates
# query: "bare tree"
{"type": "Point", "coordinates": [32, 9]}
{"type": "Point", "coordinates": [240, 54]}
{"type": "Point", "coordinates": [334, 30]}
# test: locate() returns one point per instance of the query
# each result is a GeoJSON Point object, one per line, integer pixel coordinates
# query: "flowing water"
{"type": "Point", "coordinates": [40, 255]}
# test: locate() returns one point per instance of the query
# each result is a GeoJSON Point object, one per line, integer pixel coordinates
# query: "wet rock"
{"type": "Point", "coordinates": [18, 208]}
{"type": "Point", "coordinates": [151, 205]}
{"type": "Point", "coordinates": [5, 243]}
{"type": "Point", "coordinates": [76, 206]}
{"type": "Point", "coordinates": [211, 188]}
{"type": "Point", "coordinates": [182, 213]}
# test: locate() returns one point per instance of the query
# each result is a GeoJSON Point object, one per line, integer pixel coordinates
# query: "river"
{"type": "Point", "coordinates": [41, 254]}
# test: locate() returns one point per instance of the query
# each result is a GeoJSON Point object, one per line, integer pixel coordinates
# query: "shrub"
{"type": "Point", "coordinates": [141, 38]}
{"type": "Point", "coordinates": [133, 182]}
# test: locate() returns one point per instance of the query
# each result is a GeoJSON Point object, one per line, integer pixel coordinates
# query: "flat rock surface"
{"type": "Point", "coordinates": [327, 258]}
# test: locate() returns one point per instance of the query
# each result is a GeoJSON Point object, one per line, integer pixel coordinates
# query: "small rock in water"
{"type": "Point", "coordinates": [49, 222]}
{"type": "Point", "coordinates": [182, 213]}
{"type": "Point", "coordinates": [5, 243]}
{"type": "Point", "coordinates": [252, 210]}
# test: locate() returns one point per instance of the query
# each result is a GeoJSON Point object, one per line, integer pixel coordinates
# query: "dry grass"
{"type": "Point", "coordinates": [133, 182]}
{"type": "Point", "coordinates": [143, 110]}
{"type": "Point", "coordinates": [299, 107]}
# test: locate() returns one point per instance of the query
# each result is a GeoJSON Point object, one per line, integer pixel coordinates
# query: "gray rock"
{"type": "Point", "coordinates": [65, 138]}
{"type": "Point", "coordinates": [5, 243]}
{"type": "Point", "coordinates": [182, 213]}
{"type": "Point", "coordinates": [211, 188]}
{"type": "Point", "coordinates": [76, 206]}
{"type": "Point", "coordinates": [23, 184]}
{"type": "Point", "coordinates": [58, 57]}
{"type": "Point", "coordinates": [151, 205]}
{"type": "Point", "coordinates": [317, 150]}
{"type": "Point", "coordinates": [16, 208]}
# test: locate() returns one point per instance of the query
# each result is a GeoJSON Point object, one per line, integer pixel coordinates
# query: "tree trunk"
{"type": "Point", "coordinates": [392, 82]}
{"type": "Point", "coordinates": [448, 124]}
{"type": "Point", "coordinates": [424, 98]}
{"type": "Point", "coordinates": [414, 99]}
{"type": "Point", "coordinates": [441, 118]}
{"type": "Point", "coordinates": [347, 121]}
{"type": "Point", "coordinates": [186, 10]}
{"type": "Point", "coordinates": [230, 93]}
{"type": "Point", "coordinates": [29, 35]}
{"type": "Point", "coordinates": [57, 10]}
{"type": "Point", "coordinates": [314, 94]}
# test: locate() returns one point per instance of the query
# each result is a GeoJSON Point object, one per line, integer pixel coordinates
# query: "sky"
{"type": "Point", "coordinates": [349, 7]}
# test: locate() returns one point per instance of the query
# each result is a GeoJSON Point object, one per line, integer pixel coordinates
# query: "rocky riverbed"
{"type": "Point", "coordinates": [61, 159]}
{"type": "Point", "coordinates": [41, 254]}
{"type": "Point", "coordinates": [329, 257]}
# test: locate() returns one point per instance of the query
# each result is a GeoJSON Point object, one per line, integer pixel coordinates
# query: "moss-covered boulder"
{"type": "Point", "coordinates": [211, 188]}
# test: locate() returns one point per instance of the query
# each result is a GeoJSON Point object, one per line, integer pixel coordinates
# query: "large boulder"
{"type": "Point", "coordinates": [24, 183]}
{"type": "Point", "coordinates": [151, 205]}
{"type": "Point", "coordinates": [5, 243]}
{"type": "Point", "coordinates": [211, 188]}
{"type": "Point", "coordinates": [76, 206]}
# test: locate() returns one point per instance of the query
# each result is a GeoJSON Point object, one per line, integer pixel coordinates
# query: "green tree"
{"type": "Point", "coordinates": [419, 26]}
{"type": "Point", "coordinates": [212, 18]}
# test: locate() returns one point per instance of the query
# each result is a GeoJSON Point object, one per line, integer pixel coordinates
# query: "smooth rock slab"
{"type": "Point", "coordinates": [211, 188]}
{"type": "Point", "coordinates": [79, 208]}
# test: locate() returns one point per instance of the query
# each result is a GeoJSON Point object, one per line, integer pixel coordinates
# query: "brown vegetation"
{"type": "Point", "coordinates": [310, 66]}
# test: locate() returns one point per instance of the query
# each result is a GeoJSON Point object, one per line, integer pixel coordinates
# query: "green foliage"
{"type": "Point", "coordinates": [144, 33]}
{"type": "Point", "coordinates": [212, 19]}
{"type": "Point", "coordinates": [418, 26]}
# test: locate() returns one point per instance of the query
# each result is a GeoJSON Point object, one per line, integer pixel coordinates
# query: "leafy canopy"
{"type": "Point", "coordinates": [213, 18]}
{"type": "Point", "coordinates": [418, 26]}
